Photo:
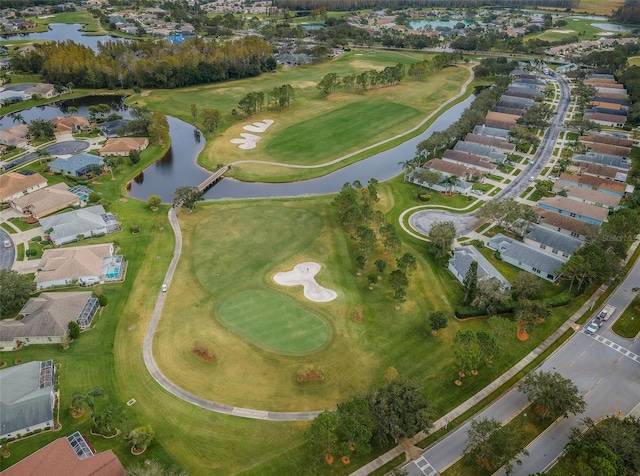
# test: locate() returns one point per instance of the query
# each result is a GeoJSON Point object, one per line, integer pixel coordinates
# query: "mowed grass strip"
{"type": "Point", "coordinates": [274, 322]}
{"type": "Point", "coordinates": [336, 132]}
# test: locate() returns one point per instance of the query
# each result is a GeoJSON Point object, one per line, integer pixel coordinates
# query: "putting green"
{"type": "Point", "coordinates": [274, 322]}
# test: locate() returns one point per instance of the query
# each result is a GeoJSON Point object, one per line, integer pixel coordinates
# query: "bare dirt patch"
{"type": "Point", "coordinates": [357, 316]}
{"type": "Point", "coordinates": [310, 377]}
{"type": "Point", "coordinates": [203, 352]}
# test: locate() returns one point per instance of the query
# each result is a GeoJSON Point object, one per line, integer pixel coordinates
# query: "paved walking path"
{"type": "Point", "coordinates": [152, 367]}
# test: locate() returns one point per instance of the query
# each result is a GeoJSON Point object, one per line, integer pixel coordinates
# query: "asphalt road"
{"type": "Point", "coordinates": [7, 255]}
{"type": "Point", "coordinates": [604, 367]}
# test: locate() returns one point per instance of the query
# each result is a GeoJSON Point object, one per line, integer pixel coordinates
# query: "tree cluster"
{"type": "Point", "coordinates": [278, 98]}
{"type": "Point", "coordinates": [493, 446]}
{"type": "Point", "coordinates": [608, 447]}
{"type": "Point", "coordinates": [552, 394]}
{"type": "Point", "coordinates": [16, 289]}
{"type": "Point", "coordinates": [389, 76]}
{"type": "Point", "coordinates": [509, 214]}
{"type": "Point", "coordinates": [473, 348]}
{"type": "Point", "coordinates": [499, 66]}
{"type": "Point", "coordinates": [146, 63]}
{"type": "Point", "coordinates": [347, 5]}
{"type": "Point", "coordinates": [396, 410]}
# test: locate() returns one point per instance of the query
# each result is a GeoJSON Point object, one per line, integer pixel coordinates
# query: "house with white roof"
{"type": "Point", "coordinates": [66, 227]}
{"type": "Point", "coordinates": [463, 256]}
{"type": "Point", "coordinates": [526, 257]}
{"type": "Point", "coordinates": [552, 242]}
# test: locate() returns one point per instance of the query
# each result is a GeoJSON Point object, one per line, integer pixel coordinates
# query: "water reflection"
{"type": "Point", "coordinates": [64, 32]}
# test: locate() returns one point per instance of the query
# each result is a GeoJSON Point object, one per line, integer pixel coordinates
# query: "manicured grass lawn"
{"type": "Point", "coordinates": [338, 131]}
{"type": "Point", "coordinates": [8, 228]}
{"type": "Point", "coordinates": [313, 130]}
{"type": "Point", "coordinates": [628, 324]}
{"type": "Point", "coordinates": [22, 224]}
{"type": "Point", "coordinates": [274, 322]}
{"type": "Point", "coordinates": [634, 61]}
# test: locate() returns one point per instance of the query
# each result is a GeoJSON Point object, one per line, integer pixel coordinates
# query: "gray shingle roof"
{"type": "Point", "coordinates": [491, 131]}
{"type": "Point", "coordinates": [520, 252]}
{"type": "Point", "coordinates": [465, 255]}
{"type": "Point", "coordinates": [481, 150]}
{"type": "Point", "coordinates": [553, 239]}
{"type": "Point", "coordinates": [24, 401]}
{"type": "Point", "coordinates": [77, 222]}
{"type": "Point", "coordinates": [602, 159]}
{"type": "Point", "coordinates": [75, 162]}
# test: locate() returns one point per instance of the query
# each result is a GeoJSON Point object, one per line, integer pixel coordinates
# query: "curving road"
{"type": "Point", "coordinates": [465, 223]}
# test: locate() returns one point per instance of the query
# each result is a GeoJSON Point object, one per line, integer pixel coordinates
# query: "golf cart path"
{"type": "Point", "coordinates": [444, 105]}
{"type": "Point", "coordinates": [169, 386]}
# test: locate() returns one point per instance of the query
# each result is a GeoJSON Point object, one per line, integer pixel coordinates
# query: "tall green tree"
{"type": "Point", "coordinates": [442, 235]}
{"type": "Point", "coordinates": [187, 197]}
{"type": "Point", "coordinates": [437, 320]}
{"type": "Point", "coordinates": [553, 395]}
{"type": "Point", "coordinates": [211, 119]}
{"type": "Point", "coordinates": [470, 283]}
{"type": "Point", "coordinates": [322, 435]}
{"type": "Point", "coordinates": [400, 410]}
{"type": "Point", "coordinates": [407, 263]}
{"type": "Point", "coordinates": [141, 437]}
{"type": "Point", "coordinates": [16, 289]}
{"type": "Point", "coordinates": [40, 129]}
{"type": "Point", "coordinates": [493, 446]}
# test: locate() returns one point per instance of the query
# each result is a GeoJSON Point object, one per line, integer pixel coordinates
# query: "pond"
{"type": "Point", "coordinates": [179, 165]}
{"type": "Point", "coordinates": [420, 24]}
{"type": "Point", "coordinates": [613, 27]}
{"type": "Point", "coordinates": [382, 166]}
{"type": "Point", "coordinates": [64, 32]}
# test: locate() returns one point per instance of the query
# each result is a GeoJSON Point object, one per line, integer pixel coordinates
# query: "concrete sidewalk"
{"type": "Point", "coordinates": [488, 390]}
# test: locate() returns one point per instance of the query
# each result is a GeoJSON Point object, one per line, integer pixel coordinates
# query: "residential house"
{"type": "Point", "coordinates": [608, 149]}
{"type": "Point", "coordinates": [45, 319]}
{"type": "Point", "coordinates": [463, 256]}
{"type": "Point", "coordinates": [446, 169]}
{"type": "Point", "coordinates": [611, 120]}
{"type": "Point", "coordinates": [512, 101]}
{"type": "Point", "coordinates": [593, 183]}
{"type": "Point", "coordinates": [491, 153]}
{"type": "Point", "coordinates": [501, 120]}
{"type": "Point", "coordinates": [565, 224]}
{"type": "Point", "coordinates": [449, 168]}
{"type": "Point", "coordinates": [84, 265]}
{"type": "Point", "coordinates": [523, 92]}
{"type": "Point", "coordinates": [575, 209]}
{"type": "Point", "coordinates": [526, 257]}
{"type": "Point", "coordinates": [123, 145]}
{"type": "Point", "coordinates": [66, 227]}
{"type": "Point", "coordinates": [77, 165]}
{"type": "Point", "coordinates": [45, 201]}
{"type": "Point", "coordinates": [604, 139]}
{"type": "Point", "coordinates": [491, 131]}
{"type": "Point", "coordinates": [14, 135]}
{"type": "Point", "coordinates": [43, 90]}
{"type": "Point", "coordinates": [68, 455]}
{"type": "Point", "coordinates": [607, 105]}
{"type": "Point", "coordinates": [15, 185]}
{"type": "Point", "coordinates": [490, 141]}
{"type": "Point", "coordinates": [70, 124]}
{"type": "Point", "coordinates": [552, 241]}
{"type": "Point", "coordinates": [598, 170]}
{"type": "Point", "coordinates": [27, 398]}
{"type": "Point", "coordinates": [508, 110]}
{"type": "Point", "coordinates": [604, 159]}
{"type": "Point", "coordinates": [621, 99]}
{"type": "Point", "coordinates": [586, 195]}
{"type": "Point", "coordinates": [468, 160]}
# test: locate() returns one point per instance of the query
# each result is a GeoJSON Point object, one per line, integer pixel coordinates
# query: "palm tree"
{"type": "Point", "coordinates": [104, 421]}
{"type": "Point", "coordinates": [406, 165]}
{"type": "Point", "coordinates": [71, 110]}
{"type": "Point", "coordinates": [451, 181]}
{"type": "Point", "coordinates": [79, 400]}
{"type": "Point", "coordinates": [17, 117]}
{"type": "Point", "coordinates": [43, 155]}
{"type": "Point", "coordinates": [70, 87]}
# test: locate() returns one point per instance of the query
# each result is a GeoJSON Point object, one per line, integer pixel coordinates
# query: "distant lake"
{"type": "Point", "coordinates": [64, 32]}
{"type": "Point", "coordinates": [612, 27]}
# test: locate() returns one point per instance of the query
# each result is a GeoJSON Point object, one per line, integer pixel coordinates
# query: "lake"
{"type": "Point", "coordinates": [64, 32]}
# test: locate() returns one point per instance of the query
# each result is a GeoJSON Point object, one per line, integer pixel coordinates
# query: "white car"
{"type": "Point", "coordinates": [164, 288]}
{"type": "Point", "coordinates": [592, 328]}
{"type": "Point", "coordinates": [532, 179]}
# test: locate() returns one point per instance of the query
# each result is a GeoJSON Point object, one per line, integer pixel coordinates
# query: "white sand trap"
{"type": "Point", "coordinates": [258, 126]}
{"type": "Point", "coordinates": [565, 32]}
{"type": "Point", "coordinates": [304, 274]}
{"type": "Point", "coordinates": [248, 141]}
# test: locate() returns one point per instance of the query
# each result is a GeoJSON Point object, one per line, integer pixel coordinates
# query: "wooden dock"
{"type": "Point", "coordinates": [213, 178]}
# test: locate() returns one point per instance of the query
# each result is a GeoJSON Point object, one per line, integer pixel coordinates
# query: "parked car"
{"type": "Point", "coordinates": [164, 288]}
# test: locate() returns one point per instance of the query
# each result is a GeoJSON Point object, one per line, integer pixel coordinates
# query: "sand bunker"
{"type": "Point", "coordinates": [248, 141]}
{"type": "Point", "coordinates": [303, 274]}
{"type": "Point", "coordinates": [258, 126]}
{"type": "Point", "coordinates": [565, 32]}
